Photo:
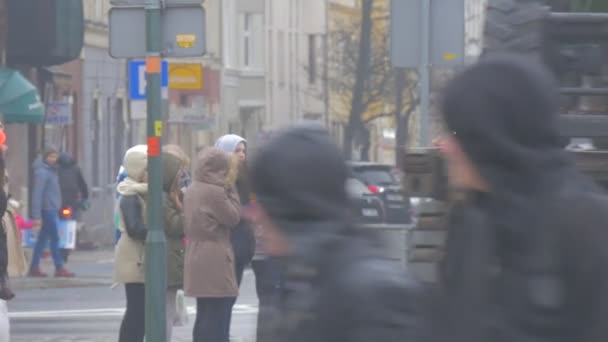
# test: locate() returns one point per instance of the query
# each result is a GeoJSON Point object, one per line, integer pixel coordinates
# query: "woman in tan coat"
{"type": "Point", "coordinates": [211, 210]}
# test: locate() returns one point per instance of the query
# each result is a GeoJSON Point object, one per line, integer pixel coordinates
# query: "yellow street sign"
{"type": "Point", "coordinates": [185, 41]}
{"type": "Point", "coordinates": [185, 76]}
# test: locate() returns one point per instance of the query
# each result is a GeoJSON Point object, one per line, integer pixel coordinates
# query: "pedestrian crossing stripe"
{"type": "Point", "coordinates": [238, 309]}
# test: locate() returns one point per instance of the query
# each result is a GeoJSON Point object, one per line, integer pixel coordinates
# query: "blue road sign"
{"type": "Point", "coordinates": [137, 78]}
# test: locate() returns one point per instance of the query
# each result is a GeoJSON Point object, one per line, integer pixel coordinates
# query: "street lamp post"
{"type": "Point", "coordinates": [155, 263]}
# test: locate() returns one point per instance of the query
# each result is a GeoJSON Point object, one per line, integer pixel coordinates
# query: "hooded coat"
{"type": "Point", "coordinates": [74, 188]}
{"type": "Point", "coordinates": [174, 220]}
{"type": "Point", "coordinates": [337, 286]}
{"type": "Point", "coordinates": [211, 210]}
{"type": "Point", "coordinates": [525, 260]}
{"type": "Point", "coordinates": [129, 255]}
{"type": "Point", "coordinates": [242, 236]}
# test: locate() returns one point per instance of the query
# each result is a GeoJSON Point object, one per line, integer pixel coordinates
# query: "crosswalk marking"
{"type": "Point", "coordinates": [238, 309]}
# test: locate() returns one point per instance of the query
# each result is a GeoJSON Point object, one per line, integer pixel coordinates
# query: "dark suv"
{"type": "Point", "coordinates": [380, 179]}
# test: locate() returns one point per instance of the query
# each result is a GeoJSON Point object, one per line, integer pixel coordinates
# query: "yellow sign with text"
{"type": "Point", "coordinates": [185, 76]}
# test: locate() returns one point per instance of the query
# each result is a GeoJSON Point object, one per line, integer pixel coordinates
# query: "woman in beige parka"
{"type": "Point", "coordinates": [129, 256]}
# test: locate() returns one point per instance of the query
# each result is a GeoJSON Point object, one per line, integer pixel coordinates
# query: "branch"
{"type": "Point", "coordinates": [378, 116]}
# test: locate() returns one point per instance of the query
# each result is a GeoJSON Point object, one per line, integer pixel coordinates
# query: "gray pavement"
{"type": "Point", "coordinates": [89, 309]}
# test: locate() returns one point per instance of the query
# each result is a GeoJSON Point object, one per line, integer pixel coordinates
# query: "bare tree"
{"type": "Point", "coordinates": [363, 82]}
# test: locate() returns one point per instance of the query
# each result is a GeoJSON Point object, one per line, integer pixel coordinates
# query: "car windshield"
{"type": "Point", "coordinates": [375, 176]}
{"type": "Point", "coordinates": [355, 188]}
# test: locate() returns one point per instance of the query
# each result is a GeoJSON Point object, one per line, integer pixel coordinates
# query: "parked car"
{"type": "Point", "coordinates": [380, 179]}
{"type": "Point", "coordinates": [367, 205]}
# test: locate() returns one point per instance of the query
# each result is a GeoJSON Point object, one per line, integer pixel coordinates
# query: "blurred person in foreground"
{"type": "Point", "coordinates": [337, 286]}
{"type": "Point", "coordinates": [526, 257]}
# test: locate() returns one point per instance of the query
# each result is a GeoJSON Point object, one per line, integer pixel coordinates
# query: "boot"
{"type": "Point", "coordinates": [64, 273]}
{"type": "Point", "coordinates": [37, 273]}
{"type": "Point", "coordinates": [5, 292]}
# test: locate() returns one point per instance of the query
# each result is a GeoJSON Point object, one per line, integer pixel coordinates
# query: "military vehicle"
{"type": "Point", "coordinates": [573, 42]}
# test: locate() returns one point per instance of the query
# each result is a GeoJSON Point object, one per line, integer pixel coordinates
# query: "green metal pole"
{"type": "Point", "coordinates": [156, 262]}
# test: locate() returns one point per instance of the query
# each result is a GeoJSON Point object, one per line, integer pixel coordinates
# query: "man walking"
{"type": "Point", "coordinates": [526, 257]}
{"type": "Point", "coordinates": [337, 285]}
{"type": "Point", "coordinates": [46, 204]}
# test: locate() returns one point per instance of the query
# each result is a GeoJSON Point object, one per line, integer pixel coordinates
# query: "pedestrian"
{"type": "Point", "coordinates": [5, 292]}
{"type": "Point", "coordinates": [242, 236]}
{"type": "Point", "coordinates": [211, 210]}
{"type": "Point", "coordinates": [46, 204]}
{"type": "Point", "coordinates": [74, 189]}
{"type": "Point", "coordinates": [173, 163]}
{"type": "Point", "coordinates": [337, 285]}
{"type": "Point", "coordinates": [526, 256]}
{"type": "Point", "coordinates": [129, 268]}
{"type": "Point", "coordinates": [74, 194]}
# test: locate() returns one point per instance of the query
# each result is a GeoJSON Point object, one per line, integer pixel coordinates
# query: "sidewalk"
{"type": "Point", "coordinates": [92, 268]}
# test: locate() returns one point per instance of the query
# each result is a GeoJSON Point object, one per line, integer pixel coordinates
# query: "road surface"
{"type": "Point", "coordinates": [88, 309]}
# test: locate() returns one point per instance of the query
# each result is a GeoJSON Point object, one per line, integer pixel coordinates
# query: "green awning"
{"type": "Point", "coordinates": [19, 100]}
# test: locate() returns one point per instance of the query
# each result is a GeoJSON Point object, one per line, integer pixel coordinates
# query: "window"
{"type": "Point", "coordinates": [96, 143]}
{"type": "Point", "coordinates": [247, 40]}
{"type": "Point", "coordinates": [251, 28]}
{"type": "Point", "coordinates": [230, 34]}
{"type": "Point", "coordinates": [312, 59]}
{"type": "Point", "coordinates": [98, 9]}
{"type": "Point", "coordinates": [184, 100]}
{"type": "Point", "coordinates": [281, 58]}
{"type": "Point", "coordinates": [119, 137]}
{"type": "Point", "coordinates": [109, 141]}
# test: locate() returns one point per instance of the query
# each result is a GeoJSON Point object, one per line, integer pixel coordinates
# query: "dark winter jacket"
{"type": "Point", "coordinates": [174, 221]}
{"type": "Point", "coordinates": [525, 261]}
{"type": "Point", "coordinates": [46, 193]}
{"type": "Point", "coordinates": [74, 188]}
{"type": "Point", "coordinates": [337, 286]}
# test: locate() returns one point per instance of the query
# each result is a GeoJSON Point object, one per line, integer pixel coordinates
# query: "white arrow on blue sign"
{"type": "Point", "coordinates": [137, 78]}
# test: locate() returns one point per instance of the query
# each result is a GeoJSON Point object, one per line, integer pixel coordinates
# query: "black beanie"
{"type": "Point", "coordinates": [503, 111]}
{"type": "Point", "coordinates": [299, 175]}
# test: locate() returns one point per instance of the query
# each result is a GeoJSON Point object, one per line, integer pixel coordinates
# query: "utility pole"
{"type": "Point", "coordinates": [423, 71]}
{"type": "Point", "coordinates": [155, 260]}
{"type": "Point", "coordinates": [427, 33]}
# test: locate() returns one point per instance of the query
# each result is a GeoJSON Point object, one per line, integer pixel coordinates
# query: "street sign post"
{"type": "Point", "coordinates": [425, 33]}
{"type": "Point", "coordinates": [155, 29]}
{"type": "Point", "coordinates": [137, 78]}
{"type": "Point", "coordinates": [182, 32]}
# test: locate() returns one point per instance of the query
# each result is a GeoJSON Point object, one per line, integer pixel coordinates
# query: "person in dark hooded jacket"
{"type": "Point", "coordinates": [74, 189]}
{"type": "Point", "coordinates": [337, 286]}
{"type": "Point", "coordinates": [526, 257]}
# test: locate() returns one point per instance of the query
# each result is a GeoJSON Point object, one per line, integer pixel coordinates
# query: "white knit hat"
{"type": "Point", "coordinates": [135, 162]}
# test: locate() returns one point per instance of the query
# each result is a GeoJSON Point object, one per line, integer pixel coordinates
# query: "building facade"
{"type": "Point", "coordinates": [296, 33]}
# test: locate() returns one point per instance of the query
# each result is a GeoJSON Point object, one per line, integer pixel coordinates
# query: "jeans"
{"type": "Point", "coordinates": [212, 324]}
{"type": "Point", "coordinates": [48, 232]}
{"type": "Point", "coordinates": [132, 328]}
